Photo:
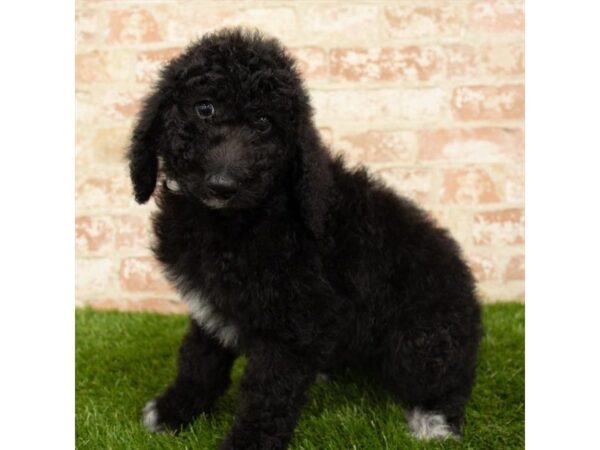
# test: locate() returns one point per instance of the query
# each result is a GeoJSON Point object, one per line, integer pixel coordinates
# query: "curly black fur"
{"type": "Point", "coordinates": [306, 267]}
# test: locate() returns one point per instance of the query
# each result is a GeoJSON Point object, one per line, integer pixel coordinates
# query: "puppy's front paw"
{"type": "Point", "coordinates": [159, 417]}
{"type": "Point", "coordinates": [151, 418]}
{"type": "Point", "coordinates": [252, 439]}
{"type": "Point", "coordinates": [173, 410]}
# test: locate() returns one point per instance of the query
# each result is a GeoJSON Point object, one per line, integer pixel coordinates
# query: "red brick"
{"type": "Point", "coordinates": [276, 21]}
{"type": "Point", "coordinates": [91, 67]}
{"type": "Point", "coordinates": [488, 102]}
{"type": "Point", "coordinates": [514, 184]}
{"type": "Point", "coordinates": [107, 106]}
{"type": "Point", "coordinates": [94, 234]}
{"type": "Point", "coordinates": [191, 20]}
{"type": "Point", "coordinates": [94, 275]}
{"type": "Point", "coordinates": [142, 274]}
{"type": "Point", "coordinates": [127, 106]}
{"type": "Point", "coordinates": [413, 183]}
{"type": "Point", "coordinates": [469, 186]}
{"type": "Point", "coordinates": [101, 145]}
{"type": "Point", "coordinates": [499, 291]}
{"type": "Point", "coordinates": [378, 146]}
{"type": "Point", "coordinates": [155, 305]}
{"type": "Point", "coordinates": [104, 66]}
{"type": "Point", "coordinates": [503, 58]}
{"type": "Point", "coordinates": [387, 64]}
{"type": "Point", "coordinates": [414, 21]}
{"type": "Point", "coordinates": [484, 266]}
{"type": "Point", "coordinates": [420, 104]}
{"type": "Point", "coordinates": [458, 221]}
{"type": "Point", "coordinates": [473, 144]}
{"type": "Point", "coordinates": [109, 145]}
{"type": "Point", "coordinates": [461, 61]}
{"type": "Point", "coordinates": [332, 22]}
{"type": "Point", "coordinates": [84, 150]}
{"type": "Point", "coordinates": [132, 232]}
{"type": "Point", "coordinates": [497, 15]}
{"type": "Point", "coordinates": [103, 192]}
{"type": "Point", "coordinates": [515, 270]}
{"type": "Point", "coordinates": [133, 26]}
{"type": "Point", "coordinates": [506, 226]}
{"type": "Point", "coordinates": [90, 27]}
{"type": "Point", "coordinates": [92, 192]}
{"type": "Point", "coordinates": [495, 291]}
{"type": "Point", "coordinates": [491, 59]}
{"type": "Point", "coordinates": [148, 63]}
{"type": "Point", "coordinates": [312, 62]}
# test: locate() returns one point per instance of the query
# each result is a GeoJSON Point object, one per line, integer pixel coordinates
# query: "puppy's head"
{"type": "Point", "coordinates": [228, 122]}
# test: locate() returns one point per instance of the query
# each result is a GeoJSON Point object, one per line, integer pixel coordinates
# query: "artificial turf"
{"type": "Point", "coordinates": [122, 360]}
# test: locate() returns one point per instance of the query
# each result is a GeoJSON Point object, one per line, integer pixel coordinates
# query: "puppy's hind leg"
{"type": "Point", "coordinates": [204, 367]}
{"type": "Point", "coordinates": [432, 375]}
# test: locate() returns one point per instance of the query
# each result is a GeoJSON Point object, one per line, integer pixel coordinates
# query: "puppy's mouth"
{"type": "Point", "coordinates": [210, 198]}
{"type": "Point", "coordinates": [215, 203]}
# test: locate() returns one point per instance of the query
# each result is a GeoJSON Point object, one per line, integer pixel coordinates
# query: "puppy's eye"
{"type": "Point", "coordinates": [262, 124]}
{"type": "Point", "coordinates": [204, 109]}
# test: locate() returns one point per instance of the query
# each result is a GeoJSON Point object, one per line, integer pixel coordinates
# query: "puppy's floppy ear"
{"type": "Point", "coordinates": [313, 177]}
{"type": "Point", "coordinates": [142, 154]}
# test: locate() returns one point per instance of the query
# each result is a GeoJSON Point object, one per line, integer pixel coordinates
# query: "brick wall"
{"type": "Point", "coordinates": [428, 93]}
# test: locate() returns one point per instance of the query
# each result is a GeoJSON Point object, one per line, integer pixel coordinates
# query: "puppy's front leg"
{"type": "Point", "coordinates": [203, 371]}
{"type": "Point", "coordinates": [272, 393]}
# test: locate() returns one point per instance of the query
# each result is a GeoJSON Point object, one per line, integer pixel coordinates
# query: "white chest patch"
{"type": "Point", "coordinates": [210, 320]}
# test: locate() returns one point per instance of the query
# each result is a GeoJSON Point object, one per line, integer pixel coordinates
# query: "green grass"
{"type": "Point", "coordinates": [125, 359]}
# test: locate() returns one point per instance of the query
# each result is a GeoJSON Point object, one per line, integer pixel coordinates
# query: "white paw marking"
{"type": "Point", "coordinates": [150, 417]}
{"type": "Point", "coordinates": [428, 425]}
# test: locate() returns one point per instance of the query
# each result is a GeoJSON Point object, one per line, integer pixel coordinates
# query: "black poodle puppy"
{"type": "Point", "coordinates": [286, 256]}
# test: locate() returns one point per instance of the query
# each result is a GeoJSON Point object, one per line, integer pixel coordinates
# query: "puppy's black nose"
{"type": "Point", "coordinates": [221, 186]}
